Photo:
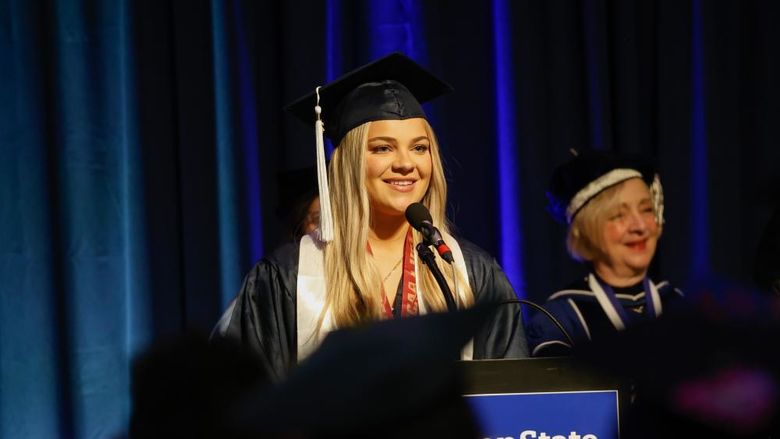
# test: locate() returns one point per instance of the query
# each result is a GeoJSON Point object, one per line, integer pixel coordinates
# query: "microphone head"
{"type": "Point", "coordinates": [416, 214]}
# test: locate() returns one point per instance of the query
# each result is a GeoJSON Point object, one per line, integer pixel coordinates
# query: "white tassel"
{"type": "Point", "coordinates": [657, 192]}
{"type": "Point", "coordinates": [326, 215]}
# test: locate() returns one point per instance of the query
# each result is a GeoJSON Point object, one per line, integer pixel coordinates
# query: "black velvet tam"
{"type": "Point", "coordinates": [584, 168]}
{"type": "Point", "coordinates": [390, 88]}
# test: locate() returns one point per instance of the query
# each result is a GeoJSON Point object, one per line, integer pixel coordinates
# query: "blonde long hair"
{"type": "Point", "coordinates": [354, 285]}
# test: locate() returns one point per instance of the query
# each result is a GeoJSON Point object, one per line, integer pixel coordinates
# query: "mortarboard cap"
{"type": "Point", "coordinates": [390, 88]}
{"type": "Point", "coordinates": [589, 173]}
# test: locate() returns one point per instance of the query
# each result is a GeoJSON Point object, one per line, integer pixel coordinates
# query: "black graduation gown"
{"type": "Point", "coordinates": [263, 316]}
{"type": "Point", "coordinates": [580, 313]}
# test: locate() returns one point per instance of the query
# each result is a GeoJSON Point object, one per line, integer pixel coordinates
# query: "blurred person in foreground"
{"type": "Point", "coordinates": [706, 371]}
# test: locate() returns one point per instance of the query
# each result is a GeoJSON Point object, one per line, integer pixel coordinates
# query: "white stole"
{"type": "Point", "coordinates": [310, 299]}
{"type": "Point", "coordinates": [609, 308]}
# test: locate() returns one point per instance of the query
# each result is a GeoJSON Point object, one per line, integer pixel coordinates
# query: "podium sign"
{"type": "Point", "coordinates": [544, 398]}
{"type": "Point", "coordinates": [554, 415]}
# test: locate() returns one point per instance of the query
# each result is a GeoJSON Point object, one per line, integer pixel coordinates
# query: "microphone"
{"type": "Point", "coordinates": [419, 217]}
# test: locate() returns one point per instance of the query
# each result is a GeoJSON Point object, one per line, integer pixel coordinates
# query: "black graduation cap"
{"type": "Point", "coordinates": [390, 88]}
{"type": "Point", "coordinates": [392, 378]}
{"type": "Point", "coordinates": [589, 173]}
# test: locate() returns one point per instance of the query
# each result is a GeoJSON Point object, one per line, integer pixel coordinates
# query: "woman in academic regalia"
{"type": "Point", "coordinates": [613, 206]}
{"type": "Point", "coordinates": [361, 264]}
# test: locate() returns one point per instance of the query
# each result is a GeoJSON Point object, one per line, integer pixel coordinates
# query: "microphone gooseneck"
{"type": "Point", "coordinates": [546, 314]}
{"type": "Point", "coordinates": [428, 259]}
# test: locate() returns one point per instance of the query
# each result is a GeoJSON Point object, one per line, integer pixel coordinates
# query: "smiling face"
{"type": "Point", "coordinates": [398, 165]}
{"type": "Point", "coordinates": [629, 232]}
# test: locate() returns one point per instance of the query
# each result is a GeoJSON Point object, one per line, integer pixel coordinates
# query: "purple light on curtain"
{"type": "Point", "coordinates": [249, 139]}
{"type": "Point", "coordinates": [699, 224]}
{"type": "Point", "coordinates": [593, 64]}
{"type": "Point", "coordinates": [333, 58]}
{"type": "Point", "coordinates": [511, 238]}
{"type": "Point", "coordinates": [394, 26]}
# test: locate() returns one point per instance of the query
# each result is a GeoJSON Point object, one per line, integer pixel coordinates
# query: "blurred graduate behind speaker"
{"type": "Point", "coordinates": [299, 202]}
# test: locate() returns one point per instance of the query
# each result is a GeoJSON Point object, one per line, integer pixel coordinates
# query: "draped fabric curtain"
{"type": "Point", "coordinates": [141, 143]}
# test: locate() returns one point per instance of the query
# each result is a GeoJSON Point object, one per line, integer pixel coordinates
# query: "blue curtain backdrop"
{"type": "Point", "coordinates": [141, 143]}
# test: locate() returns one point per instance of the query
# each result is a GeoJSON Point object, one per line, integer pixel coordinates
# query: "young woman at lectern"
{"type": "Point", "coordinates": [361, 264]}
